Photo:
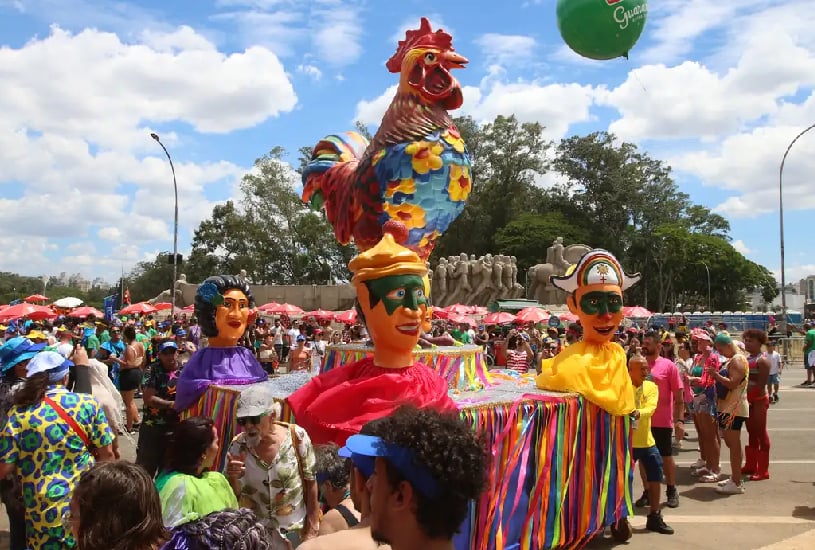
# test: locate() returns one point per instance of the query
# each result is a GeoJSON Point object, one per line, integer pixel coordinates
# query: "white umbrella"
{"type": "Point", "coordinates": [68, 302]}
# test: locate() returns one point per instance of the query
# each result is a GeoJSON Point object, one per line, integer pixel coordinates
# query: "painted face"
{"type": "Point", "coordinates": [600, 309]}
{"type": "Point", "coordinates": [395, 309]}
{"type": "Point", "coordinates": [231, 318]}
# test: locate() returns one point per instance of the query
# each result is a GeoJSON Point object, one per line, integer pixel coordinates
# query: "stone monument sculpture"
{"type": "Point", "coordinates": [558, 259]}
{"type": "Point", "coordinates": [476, 280]}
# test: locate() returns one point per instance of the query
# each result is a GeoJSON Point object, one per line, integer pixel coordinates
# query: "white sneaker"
{"type": "Point", "coordinates": [730, 488]}
{"type": "Point", "coordinates": [712, 477]}
{"type": "Point", "coordinates": [698, 464]}
{"type": "Point", "coordinates": [723, 482]}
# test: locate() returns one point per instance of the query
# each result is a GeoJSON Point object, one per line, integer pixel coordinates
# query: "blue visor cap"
{"type": "Point", "coordinates": [365, 464]}
{"type": "Point", "coordinates": [402, 459]}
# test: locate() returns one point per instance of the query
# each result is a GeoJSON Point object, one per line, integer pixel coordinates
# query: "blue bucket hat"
{"type": "Point", "coordinates": [17, 350]}
{"type": "Point", "coordinates": [401, 458]}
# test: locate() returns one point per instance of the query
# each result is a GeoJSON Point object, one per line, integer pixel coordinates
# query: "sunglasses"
{"type": "Point", "coordinates": [244, 420]}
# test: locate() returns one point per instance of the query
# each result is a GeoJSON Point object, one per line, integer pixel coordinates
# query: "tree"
{"type": "Point", "coordinates": [270, 233]}
{"type": "Point", "coordinates": [507, 157]}
{"type": "Point", "coordinates": [528, 237]}
{"type": "Point", "coordinates": [150, 278]}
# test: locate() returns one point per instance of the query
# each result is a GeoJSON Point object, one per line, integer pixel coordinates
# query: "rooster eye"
{"type": "Point", "coordinates": [429, 57]}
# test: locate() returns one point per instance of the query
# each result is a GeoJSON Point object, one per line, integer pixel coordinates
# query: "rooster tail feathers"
{"type": "Point", "coordinates": [330, 151]}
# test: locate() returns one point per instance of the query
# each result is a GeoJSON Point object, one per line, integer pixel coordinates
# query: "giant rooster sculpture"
{"type": "Point", "coordinates": [415, 173]}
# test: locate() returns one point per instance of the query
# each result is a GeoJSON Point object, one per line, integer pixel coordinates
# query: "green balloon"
{"type": "Point", "coordinates": [601, 29]}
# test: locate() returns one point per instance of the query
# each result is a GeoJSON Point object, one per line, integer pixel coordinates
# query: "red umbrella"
{"type": "Point", "coordinates": [36, 298]}
{"type": "Point", "coordinates": [161, 306]}
{"type": "Point", "coordinates": [83, 312]}
{"type": "Point", "coordinates": [461, 320]}
{"type": "Point", "coordinates": [349, 317]}
{"type": "Point", "coordinates": [532, 315]}
{"type": "Point", "coordinates": [569, 317]}
{"type": "Point", "coordinates": [319, 315]}
{"type": "Point", "coordinates": [478, 310]}
{"type": "Point", "coordinates": [499, 318]}
{"type": "Point", "coordinates": [285, 309]}
{"type": "Point", "coordinates": [636, 312]}
{"type": "Point", "coordinates": [440, 313]}
{"type": "Point", "coordinates": [35, 313]}
{"type": "Point", "coordinates": [268, 306]}
{"type": "Point", "coordinates": [461, 309]}
{"type": "Point", "coordinates": [141, 307]}
{"type": "Point", "coordinates": [189, 308]}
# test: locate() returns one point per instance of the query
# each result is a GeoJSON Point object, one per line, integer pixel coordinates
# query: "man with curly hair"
{"type": "Point", "coordinates": [427, 467]}
{"type": "Point", "coordinates": [359, 536]}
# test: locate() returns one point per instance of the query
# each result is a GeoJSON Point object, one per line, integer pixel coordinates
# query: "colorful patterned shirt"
{"type": "Point", "coordinates": [49, 458]}
{"type": "Point", "coordinates": [163, 382]}
{"type": "Point", "coordinates": [275, 492]}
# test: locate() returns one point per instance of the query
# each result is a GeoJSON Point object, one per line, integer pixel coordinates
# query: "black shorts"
{"type": "Point", "coordinates": [129, 379]}
{"type": "Point", "coordinates": [663, 437]}
{"type": "Point", "coordinates": [729, 422]}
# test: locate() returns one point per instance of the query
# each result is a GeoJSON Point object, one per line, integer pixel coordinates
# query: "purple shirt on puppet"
{"type": "Point", "coordinates": [222, 307]}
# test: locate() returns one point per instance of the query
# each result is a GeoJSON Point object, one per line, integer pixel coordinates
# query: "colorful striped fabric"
{"type": "Point", "coordinates": [560, 466]}
{"type": "Point", "coordinates": [464, 367]}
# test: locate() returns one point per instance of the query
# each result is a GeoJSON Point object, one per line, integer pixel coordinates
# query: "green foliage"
{"type": "Point", "coordinates": [270, 233]}
{"type": "Point", "coordinates": [610, 195]}
{"type": "Point", "coordinates": [150, 278]}
{"type": "Point", "coordinates": [528, 236]}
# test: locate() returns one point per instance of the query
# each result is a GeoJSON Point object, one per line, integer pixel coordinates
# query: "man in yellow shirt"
{"type": "Point", "coordinates": [646, 396]}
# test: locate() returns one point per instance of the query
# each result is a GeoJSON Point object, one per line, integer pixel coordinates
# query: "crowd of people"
{"type": "Point", "coordinates": [69, 387]}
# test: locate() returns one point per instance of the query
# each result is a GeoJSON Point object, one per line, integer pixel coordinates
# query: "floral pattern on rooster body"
{"type": "Point", "coordinates": [416, 170]}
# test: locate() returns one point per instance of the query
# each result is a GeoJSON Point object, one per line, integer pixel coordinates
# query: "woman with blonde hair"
{"type": "Point", "coordinates": [731, 404]}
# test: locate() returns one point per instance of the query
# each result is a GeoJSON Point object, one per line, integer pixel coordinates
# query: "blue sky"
{"type": "Point", "coordinates": [717, 89]}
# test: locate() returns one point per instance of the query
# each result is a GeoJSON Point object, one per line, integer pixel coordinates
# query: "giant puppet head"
{"type": "Point", "coordinates": [393, 299]}
{"type": "Point", "coordinates": [595, 286]}
{"type": "Point", "coordinates": [224, 308]}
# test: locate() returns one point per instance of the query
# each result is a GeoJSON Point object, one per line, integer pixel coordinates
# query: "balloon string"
{"type": "Point", "coordinates": [634, 74]}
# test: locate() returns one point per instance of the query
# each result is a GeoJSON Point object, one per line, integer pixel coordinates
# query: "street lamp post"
{"type": "Point", "coordinates": [781, 229]}
{"type": "Point", "coordinates": [175, 220]}
{"type": "Point", "coordinates": [709, 304]}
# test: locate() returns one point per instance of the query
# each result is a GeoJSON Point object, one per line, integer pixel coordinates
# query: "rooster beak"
{"type": "Point", "coordinates": [454, 60]}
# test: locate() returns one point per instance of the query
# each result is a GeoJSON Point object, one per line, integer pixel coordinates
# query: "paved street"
{"type": "Point", "coordinates": [776, 514]}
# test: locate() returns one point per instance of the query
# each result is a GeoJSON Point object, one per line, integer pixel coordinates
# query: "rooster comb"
{"type": "Point", "coordinates": [423, 37]}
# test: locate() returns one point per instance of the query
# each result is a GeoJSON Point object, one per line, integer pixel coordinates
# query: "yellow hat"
{"type": "Point", "coordinates": [385, 259]}
{"type": "Point", "coordinates": [36, 335]}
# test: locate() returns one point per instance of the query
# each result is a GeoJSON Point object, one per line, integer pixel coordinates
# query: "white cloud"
{"type": "Point", "coordinates": [676, 24]}
{"type": "Point", "coordinates": [310, 70]}
{"type": "Point", "coordinates": [75, 130]}
{"type": "Point", "coordinates": [370, 111]}
{"type": "Point", "coordinates": [331, 27]}
{"type": "Point", "coordinates": [557, 106]}
{"type": "Point", "coordinates": [739, 245]}
{"type": "Point", "coordinates": [506, 49]}
{"type": "Point", "coordinates": [338, 32]}
{"type": "Point", "coordinates": [109, 233]}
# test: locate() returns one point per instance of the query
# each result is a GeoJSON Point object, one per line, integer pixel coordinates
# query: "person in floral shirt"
{"type": "Point", "coordinates": [159, 416]}
{"type": "Point", "coordinates": [271, 470]}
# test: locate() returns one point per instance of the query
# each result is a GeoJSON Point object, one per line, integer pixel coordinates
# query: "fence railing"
{"type": "Point", "coordinates": [792, 350]}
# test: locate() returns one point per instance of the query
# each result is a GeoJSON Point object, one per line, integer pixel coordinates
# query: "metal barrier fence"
{"type": "Point", "coordinates": [792, 350]}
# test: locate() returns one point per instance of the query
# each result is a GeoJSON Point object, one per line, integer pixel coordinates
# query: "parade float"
{"type": "Point", "coordinates": [560, 468]}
